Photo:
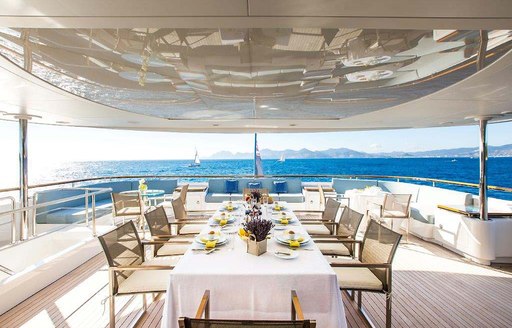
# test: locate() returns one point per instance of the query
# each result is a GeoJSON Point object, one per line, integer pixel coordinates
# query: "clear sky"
{"type": "Point", "coordinates": [57, 144]}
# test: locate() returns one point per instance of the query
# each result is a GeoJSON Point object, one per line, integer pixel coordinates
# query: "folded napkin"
{"type": "Point", "coordinates": [229, 208]}
{"type": "Point", "coordinates": [223, 222]}
{"type": "Point", "coordinates": [284, 221]}
{"type": "Point", "coordinates": [300, 239]}
{"type": "Point", "coordinates": [211, 244]}
{"type": "Point", "coordinates": [277, 208]}
{"type": "Point", "coordinates": [294, 243]}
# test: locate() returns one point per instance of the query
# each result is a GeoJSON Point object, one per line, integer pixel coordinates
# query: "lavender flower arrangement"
{"type": "Point", "coordinates": [258, 227]}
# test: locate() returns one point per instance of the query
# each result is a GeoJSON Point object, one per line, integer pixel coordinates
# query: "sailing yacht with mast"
{"type": "Point", "coordinates": [196, 162]}
{"type": "Point", "coordinates": [282, 158]}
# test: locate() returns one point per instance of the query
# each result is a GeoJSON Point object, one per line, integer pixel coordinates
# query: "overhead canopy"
{"type": "Point", "coordinates": [87, 70]}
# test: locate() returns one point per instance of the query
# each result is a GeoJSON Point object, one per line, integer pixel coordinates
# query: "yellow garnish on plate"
{"type": "Point", "coordinates": [284, 221]}
{"type": "Point", "coordinates": [229, 208]}
{"type": "Point", "coordinates": [223, 222]}
{"type": "Point", "coordinates": [277, 208]}
{"type": "Point", "coordinates": [294, 243]}
{"type": "Point", "coordinates": [300, 239]}
{"type": "Point", "coordinates": [211, 244]}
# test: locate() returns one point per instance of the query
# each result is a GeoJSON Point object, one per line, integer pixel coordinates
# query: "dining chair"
{"type": "Point", "coordinates": [164, 243]}
{"type": "Point", "coordinates": [326, 225]}
{"type": "Point", "coordinates": [184, 224]}
{"type": "Point", "coordinates": [347, 228]}
{"type": "Point", "coordinates": [127, 205]}
{"type": "Point", "coordinates": [297, 318]}
{"type": "Point", "coordinates": [394, 206]}
{"type": "Point", "coordinates": [183, 194]}
{"type": "Point", "coordinates": [129, 271]}
{"type": "Point", "coordinates": [372, 272]}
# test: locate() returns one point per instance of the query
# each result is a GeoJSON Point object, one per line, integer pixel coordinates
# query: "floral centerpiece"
{"type": "Point", "coordinates": [142, 185]}
{"type": "Point", "coordinates": [257, 230]}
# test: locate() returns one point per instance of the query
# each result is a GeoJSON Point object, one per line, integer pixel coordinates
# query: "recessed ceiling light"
{"type": "Point", "coordinates": [62, 122]}
{"type": "Point", "coordinates": [293, 124]}
{"type": "Point", "coordinates": [273, 108]}
{"type": "Point", "coordinates": [263, 106]}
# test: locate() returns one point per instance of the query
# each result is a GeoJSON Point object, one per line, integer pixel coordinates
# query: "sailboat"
{"type": "Point", "coordinates": [196, 162]}
{"type": "Point", "coordinates": [282, 159]}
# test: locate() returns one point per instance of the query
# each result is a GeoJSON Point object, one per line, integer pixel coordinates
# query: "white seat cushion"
{"type": "Point", "coordinates": [191, 228]}
{"type": "Point", "coordinates": [333, 249]}
{"type": "Point", "coordinates": [146, 281]}
{"type": "Point", "coordinates": [317, 229]}
{"type": "Point", "coordinates": [172, 249]}
{"type": "Point", "coordinates": [357, 278]}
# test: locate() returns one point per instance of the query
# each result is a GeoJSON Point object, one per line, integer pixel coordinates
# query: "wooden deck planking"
{"type": "Point", "coordinates": [432, 287]}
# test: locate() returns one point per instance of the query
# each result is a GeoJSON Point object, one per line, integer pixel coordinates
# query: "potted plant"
{"type": "Point", "coordinates": [258, 230]}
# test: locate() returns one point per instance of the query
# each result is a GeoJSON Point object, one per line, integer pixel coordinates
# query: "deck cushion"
{"type": "Point", "coordinates": [173, 249]}
{"type": "Point", "coordinates": [280, 187]}
{"type": "Point", "coordinates": [317, 229]}
{"type": "Point", "coordinates": [254, 185]}
{"type": "Point", "coordinates": [221, 197]}
{"type": "Point", "coordinates": [290, 198]}
{"type": "Point", "coordinates": [149, 280]}
{"type": "Point", "coordinates": [231, 186]}
{"type": "Point", "coordinates": [342, 185]}
{"type": "Point", "coordinates": [191, 229]}
{"type": "Point", "coordinates": [357, 278]}
{"type": "Point", "coordinates": [336, 248]}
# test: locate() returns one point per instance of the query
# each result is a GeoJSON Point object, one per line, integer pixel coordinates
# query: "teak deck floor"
{"type": "Point", "coordinates": [433, 287]}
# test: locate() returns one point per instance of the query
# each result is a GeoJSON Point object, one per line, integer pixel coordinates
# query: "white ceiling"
{"type": "Point", "coordinates": [293, 79]}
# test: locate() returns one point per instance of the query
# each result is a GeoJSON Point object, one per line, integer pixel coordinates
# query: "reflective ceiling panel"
{"type": "Point", "coordinates": [270, 73]}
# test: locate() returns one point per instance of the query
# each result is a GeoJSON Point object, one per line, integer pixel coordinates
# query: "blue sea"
{"type": "Point", "coordinates": [459, 169]}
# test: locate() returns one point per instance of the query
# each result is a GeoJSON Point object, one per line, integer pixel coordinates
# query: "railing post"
{"type": "Point", "coordinates": [93, 199]}
{"type": "Point", "coordinates": [87, 207]}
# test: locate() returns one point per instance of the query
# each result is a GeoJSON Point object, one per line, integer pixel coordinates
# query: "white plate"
{"type": "Point", "coordinates": [278, 219]}
{"type": "Point", "coordinates": [216, 220]}
{"type": "Point", "coordinates": [293, 255]}
{"type": "Point", "coordinates": [285, 238]}
{"type": "Point", "coordinates": [220, 239]}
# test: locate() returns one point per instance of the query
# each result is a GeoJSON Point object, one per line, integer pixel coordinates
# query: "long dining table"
{"type": "Point", "coordinates": [245, 286]}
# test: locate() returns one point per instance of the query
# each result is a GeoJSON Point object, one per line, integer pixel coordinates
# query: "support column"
{"type": "Point", "coordinates": [483, 169]}
{"type": "Point", "coordinates": [23, 125]}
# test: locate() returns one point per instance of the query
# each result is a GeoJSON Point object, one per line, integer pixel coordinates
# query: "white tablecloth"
{"type": "Point", "coordinates": [245, 286]}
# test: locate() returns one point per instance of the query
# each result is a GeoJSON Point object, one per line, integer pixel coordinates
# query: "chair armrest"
{"type": "Point", "coordinates": [319, 222]}
{"type": "Point", "coordinates": [296, 308]}
{"type": "Point", "coordinates": [166, 237]}
{"type": "Point", "coordinates": [204, 306]}
{"type": "Point", "coordinates": [362, 265]}
{"type": "Point", "coordinates": [141, 267]}
{"type": "Point", "coordinates": [162, 242]}
{"type": "Point", "coordinates": [188, 222]}
{"type": "Point", "coordinates": [340, 240]}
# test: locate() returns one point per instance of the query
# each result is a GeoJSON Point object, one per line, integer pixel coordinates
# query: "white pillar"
{"type": "Point", "coordinates": [23, 156]}
{"type": "Point", "coordinates": [483, 170]}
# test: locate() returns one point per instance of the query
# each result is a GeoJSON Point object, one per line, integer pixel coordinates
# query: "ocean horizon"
{"type": "Point", "coordinates": [455, 169]}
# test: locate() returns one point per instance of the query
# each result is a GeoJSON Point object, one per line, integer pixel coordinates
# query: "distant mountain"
{"type": "Point", "coordinates": [494, 151]}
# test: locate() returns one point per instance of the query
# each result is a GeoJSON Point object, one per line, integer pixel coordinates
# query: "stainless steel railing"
{"type": "Point", "coordinates": [317, 176]}
{"type": "Point", "coordinates": [88, 193]}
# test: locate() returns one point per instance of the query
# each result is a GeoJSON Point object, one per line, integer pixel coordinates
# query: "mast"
{"type": "Point", "coordinates": [258, 167]}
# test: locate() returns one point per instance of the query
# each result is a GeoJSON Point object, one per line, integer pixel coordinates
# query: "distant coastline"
{"type": "Point", "coordinates": [469, 152]}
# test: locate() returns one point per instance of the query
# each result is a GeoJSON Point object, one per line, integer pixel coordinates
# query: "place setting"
{"type": "Point", "coordinates": [210, 241]}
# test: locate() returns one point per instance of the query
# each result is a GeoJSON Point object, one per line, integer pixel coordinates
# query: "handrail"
{"type": "Point", "coordinates": [336, 176]}
{"type": "Point", "coordinates": [88, 192]}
